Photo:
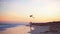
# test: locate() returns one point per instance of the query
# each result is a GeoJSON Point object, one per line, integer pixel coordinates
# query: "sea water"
{"type": "Point", "coordinates": [15, 28]}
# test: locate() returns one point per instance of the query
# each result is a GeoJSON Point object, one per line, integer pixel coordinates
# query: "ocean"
{"type": "Point", "coordinates": [14, 28]}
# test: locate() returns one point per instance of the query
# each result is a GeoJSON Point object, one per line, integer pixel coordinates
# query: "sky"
{"type": "Point", "coordinates": [20, 10]}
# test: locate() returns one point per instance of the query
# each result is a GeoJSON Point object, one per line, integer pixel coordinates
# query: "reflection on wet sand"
{"type": "Point", "coordinates": [16, 30]}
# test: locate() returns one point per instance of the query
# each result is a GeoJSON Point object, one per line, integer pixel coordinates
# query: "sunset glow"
{"type": "Point", "coordinates": [19, 10]}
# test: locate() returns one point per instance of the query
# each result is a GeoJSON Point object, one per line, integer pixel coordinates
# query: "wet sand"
{"type": "Point", "coordinates": [16, 30]}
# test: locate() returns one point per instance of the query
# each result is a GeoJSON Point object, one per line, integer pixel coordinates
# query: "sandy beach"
{"type": "Point", "coordinates": [16, 30]}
